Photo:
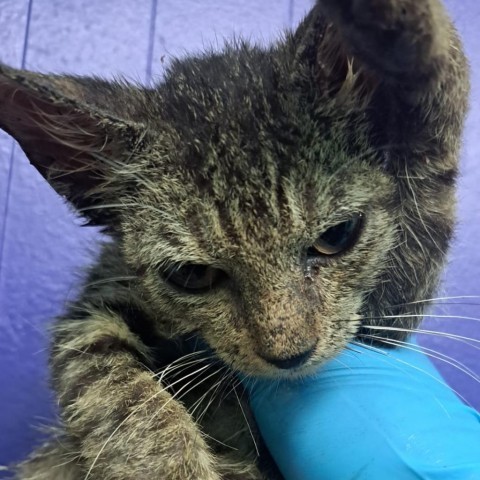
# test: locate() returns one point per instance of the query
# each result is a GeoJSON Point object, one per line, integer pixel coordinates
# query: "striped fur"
{"type": "Point", "coordinates": [239, 160]}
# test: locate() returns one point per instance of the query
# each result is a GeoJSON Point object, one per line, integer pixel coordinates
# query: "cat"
{"type": "Point", "coordinates": [265, 206]}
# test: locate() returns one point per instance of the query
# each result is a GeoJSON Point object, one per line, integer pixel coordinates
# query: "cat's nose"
{"type": "Point", "coordinates": [290, 362]}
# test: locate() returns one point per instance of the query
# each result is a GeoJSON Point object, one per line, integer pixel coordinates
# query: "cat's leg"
{"type": "Point", "coordinates": [119, 420]}
{"type": "Point", "coordinates": [55, 462]}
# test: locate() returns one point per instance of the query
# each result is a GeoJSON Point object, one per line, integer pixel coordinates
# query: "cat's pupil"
{"type": "Point", "coordinates": [337, 239]}
{"type": "Point", "coordinates": [193, 278]}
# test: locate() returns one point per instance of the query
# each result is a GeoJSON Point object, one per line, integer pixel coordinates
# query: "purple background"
{"type": "Point", "coordinates": [41, 245]}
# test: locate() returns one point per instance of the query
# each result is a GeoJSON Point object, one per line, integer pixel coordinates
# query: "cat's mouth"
{"type": "Point", "coordinates": [299, 364]}
{"type": "Point", "coordinates": [293, 356]}
{"type": "Point", "coordinates": [291, 362]}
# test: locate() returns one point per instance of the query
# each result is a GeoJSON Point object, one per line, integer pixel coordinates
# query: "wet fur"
{"type": "Point", "coordinates": [240, 160]}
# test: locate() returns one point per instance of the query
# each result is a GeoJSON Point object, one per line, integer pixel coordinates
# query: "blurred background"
{"type": "Point", "coordinates": [42, 246]}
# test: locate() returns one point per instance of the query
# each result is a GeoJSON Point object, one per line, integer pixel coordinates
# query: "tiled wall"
{"type": "Point", "coordinates": [41, 243]}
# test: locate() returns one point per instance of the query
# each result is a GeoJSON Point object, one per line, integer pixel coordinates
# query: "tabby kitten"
{"type": "Point", "coordinates": [265, 207]}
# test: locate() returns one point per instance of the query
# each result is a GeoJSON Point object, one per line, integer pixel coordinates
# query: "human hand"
{"type": "Point", "coordinates": [369, 414]}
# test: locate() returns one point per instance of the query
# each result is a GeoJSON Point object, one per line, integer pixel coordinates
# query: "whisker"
{"type": "Point", "coordinates": [215, 386]}
{"type": "Point", "coordinates": [436, 299]}
{"type": "Point", "coordinates": [103, 281]}
{"type": "Point", "coordinates": [421, 370]}
{"type": "Point", "coordinates": [216, 440]}
{"type": "Point", "coordinates": [247, 422]}
{"type": "Point", "coordinates": [419, 213]}
{"type": "Point", "coordinates": [222, 382]}
{"type": "Point", "coordinates": [174, 370]}
{"type": "Point", "coordinates": [428, 352]}
{"type": "Point", "coordinates": [105, 205]}
{"type": "Point", "coordinates": [414, 315]}
{"type": "Point", "coordinates": [188, 356]}
{"type": "Point", "coordinates": [452, 336]}
{"type": "Point", "coordinates": [176, 395]}
{"type": "Point", "coordinates": [226, 391]}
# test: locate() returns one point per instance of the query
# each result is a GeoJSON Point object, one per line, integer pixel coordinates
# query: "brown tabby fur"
{"type": "Point", "coordinates": [240, 160]}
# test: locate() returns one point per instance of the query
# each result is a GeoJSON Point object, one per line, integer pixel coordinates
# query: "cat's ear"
{"type": "Point", "coordinates": [64, 127]}
{"type": "Point", "coordinates": [319, 46]}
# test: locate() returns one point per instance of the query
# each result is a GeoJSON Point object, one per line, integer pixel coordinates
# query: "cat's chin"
{"type": "Point", "coordinates": [303, 372]}
{"type": "Point", "coordinates": [306, 371]}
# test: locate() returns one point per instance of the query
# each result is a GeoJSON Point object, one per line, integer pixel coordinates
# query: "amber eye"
{"type": "Point", "coordinates": [337, 239]}
{"type": "Point", "coordinates": [193, 278]}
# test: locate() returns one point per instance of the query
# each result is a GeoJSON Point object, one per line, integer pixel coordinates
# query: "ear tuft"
{"type": "Point", "coordinates": [320, 46]}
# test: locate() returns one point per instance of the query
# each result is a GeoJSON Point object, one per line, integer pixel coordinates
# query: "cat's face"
{"type": "Point", "coordinates": [261, 232]}
{"type": "Point", "coordinates": [240, 266]}
{"type": "Point", "coordinates": [247, 191]}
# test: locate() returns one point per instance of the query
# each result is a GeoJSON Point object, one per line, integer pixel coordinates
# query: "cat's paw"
{"type": "Point", "coordinates": [402, 39]}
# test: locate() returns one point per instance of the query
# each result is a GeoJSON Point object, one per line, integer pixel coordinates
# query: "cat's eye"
{"type": "Point", "coordinates": [193, 278]}
{"type": "Point", "coordinates": [337, 239]}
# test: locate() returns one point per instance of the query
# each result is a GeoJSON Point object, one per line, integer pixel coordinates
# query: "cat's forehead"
{"type": "Point", "coordinates": [245, 109]}
{"type": "Point", "coordinates": [252, 162]}
{"type": "Point", "coordinates": [220, 103]}
{"type": "Point", "coordinates": [227, 212]}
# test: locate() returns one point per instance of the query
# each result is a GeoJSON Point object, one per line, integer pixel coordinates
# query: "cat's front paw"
{"type": "Point", "coordinates": [128, 426]}
{"type": "Point", "coordinates": [165, 445]}
{"type": "Point", "coordinates": [399, 38]}
{"type": "Point", "coordinates": [59, 460]}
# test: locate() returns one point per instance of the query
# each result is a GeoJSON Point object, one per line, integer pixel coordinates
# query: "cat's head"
{"type": "Point", "coordinates": [248, 191]}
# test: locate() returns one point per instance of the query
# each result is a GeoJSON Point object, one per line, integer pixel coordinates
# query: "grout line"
{"type": "Point", "coordinates": [151, 41]}
{"type": "Point", "coordinates": [290, 12]}
{"type": "Point", "coordinates": [3, 232]}
{"type": "Point", "coordinates": [27, 33]}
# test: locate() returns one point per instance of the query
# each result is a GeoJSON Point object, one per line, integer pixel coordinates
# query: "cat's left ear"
{"type": "Point", "coordinates": [319, 47]}
{"type": "Point", "coordinates": [64, 126]}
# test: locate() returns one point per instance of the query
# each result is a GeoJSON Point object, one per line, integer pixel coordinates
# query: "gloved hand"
{"type": "Point", "coordinates": [384, 415]}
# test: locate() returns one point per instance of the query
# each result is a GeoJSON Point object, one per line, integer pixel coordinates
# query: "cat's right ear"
{"type": "Point", "coordinates": [63, 125]}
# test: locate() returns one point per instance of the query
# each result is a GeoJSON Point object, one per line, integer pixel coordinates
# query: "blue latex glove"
{"type": "Point", "coordinates": [369, 416]}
